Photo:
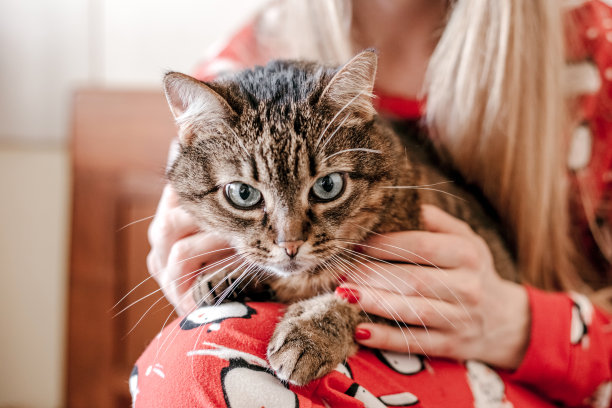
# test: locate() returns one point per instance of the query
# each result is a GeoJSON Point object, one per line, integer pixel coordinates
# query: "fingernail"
{"type": "Point", "coordinates": [358, 248]}
{"type": "Point", "coordinates": [342, 278]}
{"type": "Point", "coordinates": [362, 334]}
{"type": "Point", "coordinates": [350, 295]}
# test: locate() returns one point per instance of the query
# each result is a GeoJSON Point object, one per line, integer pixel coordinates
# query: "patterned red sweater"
{"type": "Point", "coordinates": [216, 357]}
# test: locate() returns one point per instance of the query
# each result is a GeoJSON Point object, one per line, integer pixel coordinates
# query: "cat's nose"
{"type": "Point", "coordinates": [291, 247]}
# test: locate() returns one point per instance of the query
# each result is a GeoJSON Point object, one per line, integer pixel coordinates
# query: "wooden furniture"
{"type": "Point", "coordinates": [120, 143]}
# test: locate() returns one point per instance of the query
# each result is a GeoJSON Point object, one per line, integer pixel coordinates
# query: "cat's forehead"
{"type": "Point", "coordinates": [280, 83]}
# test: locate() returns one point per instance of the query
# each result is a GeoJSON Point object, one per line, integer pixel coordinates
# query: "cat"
{"type": "Point", "coordinates": [291, 164]}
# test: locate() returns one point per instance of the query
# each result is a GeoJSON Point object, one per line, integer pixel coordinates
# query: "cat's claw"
{"type": "Point", "coordinates": [314, 336]}
{"type": "Point", "coordinates": [298, 360]}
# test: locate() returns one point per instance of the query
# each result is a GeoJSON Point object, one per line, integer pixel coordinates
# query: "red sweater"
{"type": "Point", "coordinates": [217, 357]}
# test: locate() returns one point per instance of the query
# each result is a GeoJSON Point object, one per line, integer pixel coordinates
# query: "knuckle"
{"type": "Point", "coordinates": [151, 264]}
{"type": "Point", "coordinates": [179, 252]}
{"type": "Point", "coordinates": [160, 229]}
{"type": "Point", "coordinates": [471, 292]}
{"type": "Point", "coordinates": [471, 256]}
{"type": "Point", "coordinates": [426, 250]}
{"type": "Point", "coordinates": [415, 286]}
{"type": "Point", "coordinates": [446, 347]}
{"type": "Point", "coordinates": [424, 315]}
{"type": "Point", "coordinates": [466, 227]}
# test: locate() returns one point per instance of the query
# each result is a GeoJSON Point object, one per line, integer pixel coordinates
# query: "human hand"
{"type": "Point", "coordinates": [459, 309]}
{"type": "Point", "coordinates": [180, 252]}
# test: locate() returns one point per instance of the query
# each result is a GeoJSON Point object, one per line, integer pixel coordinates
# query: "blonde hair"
{"type": "Point", "coordinates": [497, 106]}
{"type": "Point", "coordinates": [497, 109]}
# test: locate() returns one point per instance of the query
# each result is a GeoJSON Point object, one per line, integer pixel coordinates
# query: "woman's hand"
{"type": "Point", "coordinates": [459, 309]}
{"type": "Point", "coordinates": [179, 253]}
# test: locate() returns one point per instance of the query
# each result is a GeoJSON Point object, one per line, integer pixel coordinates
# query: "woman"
{"type": "Point", "coordinates": [506, 110]}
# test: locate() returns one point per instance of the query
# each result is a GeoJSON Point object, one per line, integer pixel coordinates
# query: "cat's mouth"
{"type": "Point", "coordinates": [291, 267]}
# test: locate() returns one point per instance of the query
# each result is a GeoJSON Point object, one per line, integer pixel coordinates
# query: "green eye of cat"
{"type": "Point", "coordinates": [242, 195]}
{"type": "Point", "coordinates": [328, 187]}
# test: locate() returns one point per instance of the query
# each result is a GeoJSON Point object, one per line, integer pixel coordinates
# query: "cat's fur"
{"type": "Point", "coordinates": [279, 128]}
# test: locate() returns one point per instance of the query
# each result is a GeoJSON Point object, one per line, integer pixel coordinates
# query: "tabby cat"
{"type": "Point", "coordinates": [291, 165]}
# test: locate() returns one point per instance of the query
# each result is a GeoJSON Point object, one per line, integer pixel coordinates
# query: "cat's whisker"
{"type": "Point", "coordinates": [210, 275]}
{"type": "Point", "coordinates": [204, 253]}
{"type": "Point", "coordinates": [386, 306]}
{"type": "Point", "coordinates": [442, 271]}
{"type": "Point", "coordinates": [227, 291]}
{"type": "Point", "coordinates": [357, 149]}
{"type": "Point", "coordinates": [226, 279]}
{"type": "Point", "coordinates": [152, 276]}
{"type": "Point", "coordinates": [191, 309]}
{"type": "Point", "coordinates": [426, 188]}
{"type": "Point", "coordinates": [161, 288]}
{"type": "Point", "coordinates": [135, 222]}
{"type": "Point", "coordinates": [239, 141]}
{"type": "Point", "coordinates": [393, 285]}
{"type": "Point", "coordinates": [197, 305]}
{"type": "Point", "coordinates": [371, 258]}
{"type": "Point", "coordinates": [330, 137]}
{"type": "Point", "coordinates": [246, 285]}
{"type": "Point", "coordinates": [336, 116]}
{"type": "Point", "coordinates": [337, 262]}
{"type": "Point", "coordinates": [185, 279]}
{"type": "Point", "coordinates": [428, 185]}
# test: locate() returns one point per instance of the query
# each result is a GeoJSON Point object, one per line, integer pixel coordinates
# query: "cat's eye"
{"type": "Point", "coordinates": [242, 195]}
{"type": "Point", "coordinates": [328, 187]}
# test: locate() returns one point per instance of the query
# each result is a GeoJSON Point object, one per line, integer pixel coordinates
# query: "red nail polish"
{"type": "Point", "coordinates": [342, 278]}
{"type": "Point", "coordinates": [350, 295]}
{"type": "Point", "coordinates": [358, 248]}
{"type": "Point", "coordinates": [362, 334]}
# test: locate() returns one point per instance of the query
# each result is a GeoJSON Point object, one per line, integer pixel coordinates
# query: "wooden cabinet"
{"type": "Point", "coordinates": [120, 142]}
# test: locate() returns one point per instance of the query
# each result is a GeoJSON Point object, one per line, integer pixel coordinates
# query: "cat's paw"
{"type": "Point", "coordinates": [313, 337]}
{"type": "Point", "coordinates": [298, 358]}
{"type": "Point", "coordinates": [211, 289]}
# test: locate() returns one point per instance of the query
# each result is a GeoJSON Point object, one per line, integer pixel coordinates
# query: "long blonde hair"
{"type": "Point", "coordinates": [496, 107]}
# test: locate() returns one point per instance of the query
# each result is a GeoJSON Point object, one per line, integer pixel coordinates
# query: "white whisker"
{"type": "Point", "coordinates": [335, 130]}
{"type": "Point", "coordinates": [135, 222]}
{"type": "Point", "coordinates": [358, 149]}
{"type": "Point", "coordinates": [451, 291]}
{"type": "Point", "coordinates": [183, 277]}
{"type": "Point", "coordinates": [397, 289]}
{"type": "Point", "coordinates": [336, 116]}
{"type": "Point", "coordinates": [425, 188]}
{"type": "Point", "coordinates": [371, 258]}
{"type": "Point", "coordinates": [150, 277]}
{"type": "Point", "coordinates": [386, 306]}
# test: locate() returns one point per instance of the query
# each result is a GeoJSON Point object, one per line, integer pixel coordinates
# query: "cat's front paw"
{"type": "Point", "coordinates": [297, 358]}
{"type": "Point", "coordinates": [312, 339]}
{"type": "Point", "coordinates": [229, 286]}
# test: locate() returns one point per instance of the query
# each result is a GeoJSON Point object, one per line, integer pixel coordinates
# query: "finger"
{"type": "Point", "coordinates": [168, 200]}
{"type": "Point", "coordinates": [432, 343]}
{"type": "Point", "coordinates": [187, 259]}
{"type": "Point", "coordinates": [409, 280]}
{"type": "Point", "coordinates": [412, 310]}
{"type": "Point", "coordinates": [419, 247]}
{"type": "Point", "coordinates": [436, 220]}
{"type": "Point", "coordinates": [167, 228]}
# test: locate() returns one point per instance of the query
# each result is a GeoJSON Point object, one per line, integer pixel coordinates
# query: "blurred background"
{"type": "Point", "coordinates": [65, 64]}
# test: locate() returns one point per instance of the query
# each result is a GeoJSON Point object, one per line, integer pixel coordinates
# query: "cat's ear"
{"type": "Point", "coordinates": [350, 89]}
{"type": "Point", "coordinates": [194, 104]}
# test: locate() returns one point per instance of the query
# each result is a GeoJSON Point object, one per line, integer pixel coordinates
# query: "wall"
{"type": "Point", "coordinates": [48, 49]}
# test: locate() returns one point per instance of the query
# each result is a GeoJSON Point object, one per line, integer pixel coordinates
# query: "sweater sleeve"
{"type": "Point", "coordinates": [569, 355]}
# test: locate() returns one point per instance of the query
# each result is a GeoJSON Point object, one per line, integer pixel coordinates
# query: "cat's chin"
{"type": "Point", "coordinates": [291, 268]}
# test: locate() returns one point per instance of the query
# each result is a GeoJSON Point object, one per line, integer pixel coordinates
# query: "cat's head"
{"type": "Point", "coordinates": [286, 161]}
